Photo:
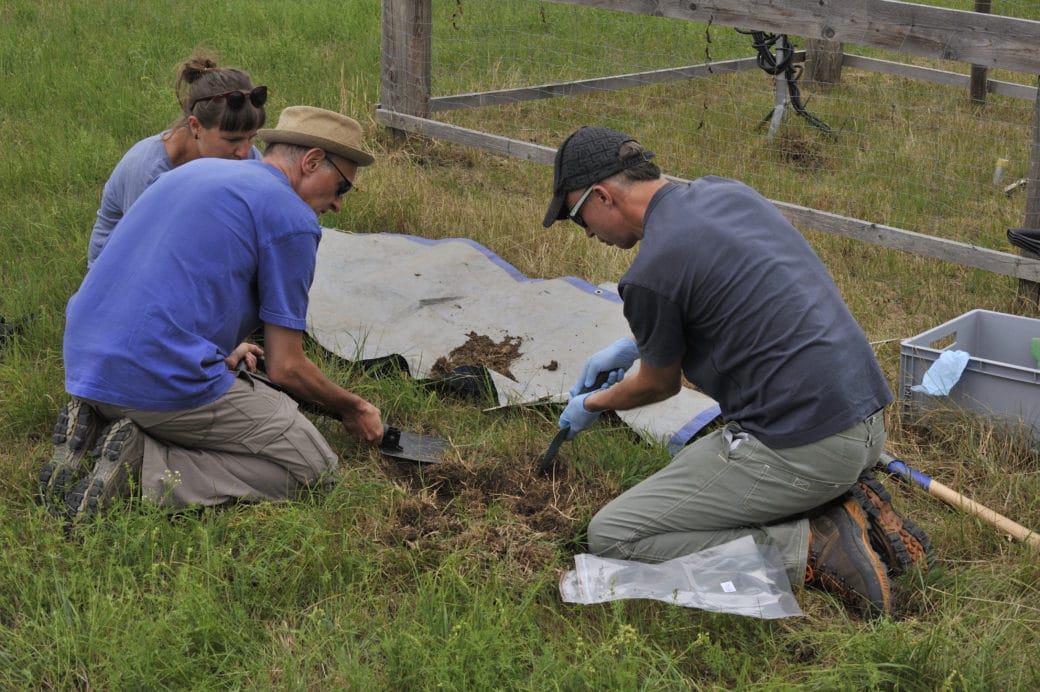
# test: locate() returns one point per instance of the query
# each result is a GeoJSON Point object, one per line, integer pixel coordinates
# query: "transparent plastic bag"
{"type": "Point", "coordinates": [738, 577]}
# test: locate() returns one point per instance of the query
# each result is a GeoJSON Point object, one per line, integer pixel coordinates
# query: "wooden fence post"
{"type": "Point", "coordinates": [1029, 291]}
{"type": "Point", "coordinates": [406, 59]}
{"type": "Point", "coordinates": [823, 62]}
{"type": "Point", "coordinates": [979, 72]}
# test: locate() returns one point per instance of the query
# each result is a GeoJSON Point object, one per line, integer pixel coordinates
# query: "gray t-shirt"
{"type": "Point", "coordinates": [725, 284]}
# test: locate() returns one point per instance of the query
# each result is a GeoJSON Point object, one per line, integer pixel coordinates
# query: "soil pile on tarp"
{"type": "Point", "coordinates": [481, 350]}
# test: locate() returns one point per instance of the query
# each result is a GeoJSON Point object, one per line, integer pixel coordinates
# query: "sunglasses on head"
{"type": "Point", "coordinates": [237, 98]}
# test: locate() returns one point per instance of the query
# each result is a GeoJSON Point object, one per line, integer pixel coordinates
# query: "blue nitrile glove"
{"type": "Point", "coordinates": [939, 379]}
{"type": "Point", "coordinates": [576, 416]}
{"type": "Point", "coordinates": [618, 356]}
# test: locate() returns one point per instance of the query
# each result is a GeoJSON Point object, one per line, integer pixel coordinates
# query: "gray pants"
{"type": "Point", "coordinates": [728, 485]}
{"type": "Point", "coordinates": [250, 444]}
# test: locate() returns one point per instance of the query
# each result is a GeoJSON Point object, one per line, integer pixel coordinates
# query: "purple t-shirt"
{"type": "Point", "coordinates": [209, 252]}
{"type": "Point", "coordinates": [726, 286]}
{"type": "Point", "coordinates": [140, 165]}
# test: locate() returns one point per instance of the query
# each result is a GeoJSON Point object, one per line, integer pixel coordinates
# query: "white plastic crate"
{"type": "Point", "coordinates": [1001, 378]}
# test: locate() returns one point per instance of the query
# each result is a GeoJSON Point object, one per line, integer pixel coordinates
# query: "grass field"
{"type": "Point", "coordinates": [402, 578]}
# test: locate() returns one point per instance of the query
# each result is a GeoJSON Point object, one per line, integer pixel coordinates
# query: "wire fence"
{"type": "Point", "coordinates": [896, 139]}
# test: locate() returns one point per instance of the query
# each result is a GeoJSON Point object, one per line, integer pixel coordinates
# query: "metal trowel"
{"type": "Point", "coordinates": [545, 462]}
{"type": "Point", "coordinates": [422, 449]}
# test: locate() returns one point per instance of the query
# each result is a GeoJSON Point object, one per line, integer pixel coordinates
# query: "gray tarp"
{"type": "Point", "coordinates": [377, 294]}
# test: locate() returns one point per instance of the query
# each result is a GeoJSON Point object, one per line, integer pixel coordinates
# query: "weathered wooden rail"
{"type": "Point", "coordinates": [978, 39]}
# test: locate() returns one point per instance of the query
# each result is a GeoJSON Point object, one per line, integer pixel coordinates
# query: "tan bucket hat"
{"type": "Point", "coordinates": [307, 126]}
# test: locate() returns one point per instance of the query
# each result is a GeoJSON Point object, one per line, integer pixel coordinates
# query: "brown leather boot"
{"type": "Point", "coordinates": [841, 560]}
{"type": "Point", "coordinates": [899, 542]}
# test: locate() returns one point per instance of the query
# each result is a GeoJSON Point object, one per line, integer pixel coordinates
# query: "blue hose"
{"type": "Point", "coordinates": [898, 468]}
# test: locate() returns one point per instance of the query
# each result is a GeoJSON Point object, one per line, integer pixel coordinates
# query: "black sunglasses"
{"type": "Point", "coordinates": [237, 98]}
{"type": "Point", "coordinates": [575, 213]}
{"type": "Point", "coordinates": [345, 185]}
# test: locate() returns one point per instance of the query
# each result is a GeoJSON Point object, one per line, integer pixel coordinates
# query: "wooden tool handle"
{"type": "Point", "coordinates": [955, 499]}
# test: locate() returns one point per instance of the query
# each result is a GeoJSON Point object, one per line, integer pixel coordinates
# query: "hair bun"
{"type": "Point", "coordinates": [192, 69]}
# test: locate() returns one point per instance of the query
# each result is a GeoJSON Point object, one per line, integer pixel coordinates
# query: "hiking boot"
{"type": "Point", "coordinates": [898, 541]}
{"type": "Point", "coordinates": [841, 560]}
{"type": "Point", "coordinates": [120, 455]}
{"type": "Point", "coordinates": [74, 435]}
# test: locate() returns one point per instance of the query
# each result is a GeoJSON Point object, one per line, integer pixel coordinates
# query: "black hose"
{"type": "Point", "coordinates": [764, 43]}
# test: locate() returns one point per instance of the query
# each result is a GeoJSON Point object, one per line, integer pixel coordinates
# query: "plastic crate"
{"type": "Point", "coordinates": [1001, 379]}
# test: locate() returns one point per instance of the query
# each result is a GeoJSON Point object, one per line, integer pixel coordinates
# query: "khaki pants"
{"type": "Point", "coordinates": [728, 485]}
{"type": "Point", "coordinates": [250, 444]}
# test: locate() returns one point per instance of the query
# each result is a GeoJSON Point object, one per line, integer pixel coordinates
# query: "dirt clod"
{"type": "Point", "coordinates": [481, 350]}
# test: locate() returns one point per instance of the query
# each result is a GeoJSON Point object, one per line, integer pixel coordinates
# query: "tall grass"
{"type": "Point", "coordinates": [408, 578]}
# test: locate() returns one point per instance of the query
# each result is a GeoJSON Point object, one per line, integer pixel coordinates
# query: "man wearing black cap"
{"type": "Point", "coordinates": [725, 292]}
{"type": "Point", "coordinates": [154, 337]}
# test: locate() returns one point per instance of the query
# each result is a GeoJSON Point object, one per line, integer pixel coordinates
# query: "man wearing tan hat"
{"type": "Point", "coordinates": [212, 251]}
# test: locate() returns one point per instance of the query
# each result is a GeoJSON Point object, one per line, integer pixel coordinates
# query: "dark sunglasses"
{"type": "Point", "coordinates": [575, 213]}
{"type": "Point", "coordinates": [345, 185]}
{"type": "Point", "coordinates": [237, 98]}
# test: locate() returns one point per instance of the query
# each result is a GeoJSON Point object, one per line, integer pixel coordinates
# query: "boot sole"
{"type": "Point", "coordinates": [117, 464]}
{"type": "Point", "coordinates": [892, 535]}
{"type": "Point", "coordinates": [73, 437]}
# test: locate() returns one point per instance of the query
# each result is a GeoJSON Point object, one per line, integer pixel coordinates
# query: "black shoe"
{"type": "Point", "coordinates": [899, 542]}
{"type": "Point", "coordinates": [120, 455]}
{"type": "Point", "coordinates": [841, 560]}
{"type": "Point", "coordinates": [75, 433]}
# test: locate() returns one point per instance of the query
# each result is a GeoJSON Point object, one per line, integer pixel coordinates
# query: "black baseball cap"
{"type": "Point", "coordinates": [588, 155]}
